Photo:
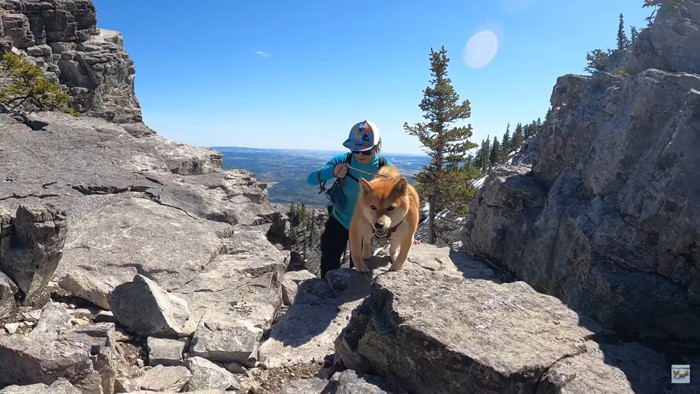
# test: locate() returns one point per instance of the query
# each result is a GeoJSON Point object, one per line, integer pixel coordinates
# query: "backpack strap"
{"type": "Point", "coordinates": [321, 185]}
{"type": "Point", "coordinates": [348, 159]}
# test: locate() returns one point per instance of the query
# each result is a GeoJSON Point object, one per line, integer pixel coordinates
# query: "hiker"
{"type": "Point", "coordinates": [363, 161]}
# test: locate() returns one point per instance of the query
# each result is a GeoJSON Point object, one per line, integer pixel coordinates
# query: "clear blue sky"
{"type": "Point", "coordinates": [299, 74]}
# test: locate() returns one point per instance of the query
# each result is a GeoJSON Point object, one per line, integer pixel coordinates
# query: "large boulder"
{"type": "Point", "coordinates": [447, 333]}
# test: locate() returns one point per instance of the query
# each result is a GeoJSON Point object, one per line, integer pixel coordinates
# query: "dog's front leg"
{"type": "Point", "coordinates": [405, 246]}
{"type": "Point", "coordinates": [357, 253]}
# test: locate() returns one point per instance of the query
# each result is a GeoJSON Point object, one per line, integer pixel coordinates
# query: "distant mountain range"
{"type": "Point", "coordinates": [285, 170]}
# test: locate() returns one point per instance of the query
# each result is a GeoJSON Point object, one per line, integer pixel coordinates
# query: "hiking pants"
{"type": "Point", "coordinates": [334, 240]}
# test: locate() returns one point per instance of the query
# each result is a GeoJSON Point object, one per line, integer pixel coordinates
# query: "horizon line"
{"type": "Point", "coordinates": [313, 150]}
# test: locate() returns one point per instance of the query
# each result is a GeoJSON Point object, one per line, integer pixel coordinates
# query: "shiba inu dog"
{"type": "Point", "coordinates": [387, 208]}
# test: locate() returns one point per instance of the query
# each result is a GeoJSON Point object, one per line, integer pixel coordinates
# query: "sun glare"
{"type": "Point", "coordinates": [481, 49]}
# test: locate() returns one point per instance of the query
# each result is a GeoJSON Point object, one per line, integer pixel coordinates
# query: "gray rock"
{"type": "Point", "coordinates": [60, 386]}
{"type": "Point", "coordinates": [84, 286]}
{"type": "Point", "coordinates": [305, 386]}
{"type": "Point", "coordinates": [607, 368]}
{"type": "Point", "coordinates": [8, 289]}
{"type": "Point", "coordinates": [53, 319]}
{"type": "Point", "coordinates": [442, 333]}
{"type": "Point", "coordinates": [290, 284]}
{"type": "Point", "coordinates": [167, 379]}
{"type": "Point", "coordinates": [672, 44]}
{"type": "Point", "coordinates": [145, 308]}
{"type": "Point", "coordinates": [224, 340]}
{"type": "Point", "coordinates": [166, 352]}
{"type": "Point", "coordinates": [348, 382]}
{"type": "Point", "coordinates": [207, 375]}
{"type": "Point", "coordinates": [31, 247]}
{"type": "Point", "coordinates": [43, 357]}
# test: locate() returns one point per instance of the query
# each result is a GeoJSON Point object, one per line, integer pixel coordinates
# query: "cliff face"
{"type": "Point", "coordinates": [607, 217]}
{"type": "Point", "coordinates": [62, 38]}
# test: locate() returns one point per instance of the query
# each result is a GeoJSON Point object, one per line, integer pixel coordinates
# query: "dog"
{"type": "Point", "coordinates": [387, 208]}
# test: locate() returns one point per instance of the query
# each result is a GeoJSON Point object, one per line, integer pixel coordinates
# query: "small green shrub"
{"type": "Point", "coordinates": [25, 88]}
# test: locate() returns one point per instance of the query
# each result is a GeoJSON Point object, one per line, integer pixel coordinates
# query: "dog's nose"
{"type": "Point", "coordinates": [379, 225]}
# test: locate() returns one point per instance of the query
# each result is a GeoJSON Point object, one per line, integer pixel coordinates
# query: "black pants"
{"type": "Point", "coordinates": [334, 240]}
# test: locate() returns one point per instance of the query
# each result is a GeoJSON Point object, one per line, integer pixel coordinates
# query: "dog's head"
{"type": "Point", "coordinates": [383, 202]}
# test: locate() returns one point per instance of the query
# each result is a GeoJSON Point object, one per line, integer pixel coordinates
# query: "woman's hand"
{"type": "Point", "coordinates": [340, 170]}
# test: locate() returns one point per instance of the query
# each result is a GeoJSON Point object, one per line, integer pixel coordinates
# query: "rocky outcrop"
{"type": "Point", "coordinates": [149, 228]}
{"type": "Point", "coordinates": [673, 44]}
{"type": "Point", "coordinates": [607, 218]}
{"type": "Point", "coordinates": [458, 329]}
{"type": "Point", "coordinates": [61, 37]}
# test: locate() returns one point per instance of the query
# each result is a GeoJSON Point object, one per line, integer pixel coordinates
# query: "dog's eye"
{"type": "Point", "coordinates": [391, 208]}
{"type": "Point", "coordinates": [372, 207]}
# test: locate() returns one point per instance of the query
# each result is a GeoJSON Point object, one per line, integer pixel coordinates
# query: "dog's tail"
{"type": "Point", "coordinates": [387, 172]}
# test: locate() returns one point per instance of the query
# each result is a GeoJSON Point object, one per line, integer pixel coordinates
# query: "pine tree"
{"type": "Point", "coordinates": [505, 144]}
{"type": "Point", "coordinates": [597, 60]}
{"type": "Point", "coordinates": [486, 153]}
{"type": "Point", "coordinates": [633, 35]}
{"type": "Point", "coordinates": [313, 231]}
{"type": "Point", "coordinates": [445, 144]}
{"type": "Point", "coordinates": [622, 41]}
{"type": "Point", "coordinates": [25, 87]}
{"type": "Point", "coordinates": [292, 214]}
{"type": "Point", "coordinates": [518, 136]}
{"type": "Point", "coordinates": [494, 157]}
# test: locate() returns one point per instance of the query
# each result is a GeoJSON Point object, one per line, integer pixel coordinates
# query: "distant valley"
{"type": "Point", "coordinates": [285, 170]}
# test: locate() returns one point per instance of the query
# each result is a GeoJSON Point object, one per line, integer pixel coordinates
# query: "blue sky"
{"type": "Point", "coordinates": [283, 74]}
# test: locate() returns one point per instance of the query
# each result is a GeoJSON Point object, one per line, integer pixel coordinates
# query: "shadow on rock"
{"type": "Point", "coordinates": [319, 309]}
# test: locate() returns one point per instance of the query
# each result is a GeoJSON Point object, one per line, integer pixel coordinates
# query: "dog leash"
{"type": "Point", "coordinates": [368, 173]}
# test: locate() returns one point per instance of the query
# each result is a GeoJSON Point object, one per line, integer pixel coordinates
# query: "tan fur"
{"type": "Point", "coordinates": [388, 190]}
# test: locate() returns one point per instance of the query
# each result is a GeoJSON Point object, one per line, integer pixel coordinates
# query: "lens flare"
{"type": "Point", "coordinates": [481, 49]}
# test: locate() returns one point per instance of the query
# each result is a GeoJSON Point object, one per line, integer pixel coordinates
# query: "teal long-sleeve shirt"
{"type": "Point", "coordinates": [351, 188]}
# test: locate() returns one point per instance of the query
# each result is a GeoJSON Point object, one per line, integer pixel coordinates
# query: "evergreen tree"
{"type": "Point", "coordinates": [292, 214]}
{"type": "Point", "coordinates": [444, 144]}
{"type": "Point", "coordinates": [518, 136]}
{"type": "Point", "coordinates": [505, 144]}
{"type": "Point", "coordinates": [484, 154]}
{"type": "Point", "coordinates": [597, 60]}
{"type": "Point", "coordinates": [25, 87]}
{"type": "Point", "coordinates": [622, 41]}
{"type": "Point", "coordinates": [494, 157]}
{"type": "Point", "coordinates": [633, 35]}
{"type": "Point", "coordinates": [312, 231]}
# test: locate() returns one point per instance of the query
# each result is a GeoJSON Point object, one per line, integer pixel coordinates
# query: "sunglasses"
{"type": "Point", "coordinates": [364, 153]}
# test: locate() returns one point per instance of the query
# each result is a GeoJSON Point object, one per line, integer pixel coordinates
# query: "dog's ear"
{"type": "Point", "coordinates": [365, 186]}
{"type": "Point", "coordinates": [401, 185]}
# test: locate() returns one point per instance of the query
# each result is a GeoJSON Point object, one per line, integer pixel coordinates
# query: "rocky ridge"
{"type": "Point", "coordinates": [604, 213]}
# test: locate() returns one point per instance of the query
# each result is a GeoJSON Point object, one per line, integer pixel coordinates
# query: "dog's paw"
{"type": "Point", "coordinates": [363, 268]}
{"type": "Point", "coordinates": [394, 267]}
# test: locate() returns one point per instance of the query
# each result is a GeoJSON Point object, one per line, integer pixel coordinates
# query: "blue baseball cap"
{"type": "Point", "coordinates": [363, 136]}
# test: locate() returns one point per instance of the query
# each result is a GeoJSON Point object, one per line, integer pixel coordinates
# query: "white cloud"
{"type": "Point", "coordinates": [262, 54]}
